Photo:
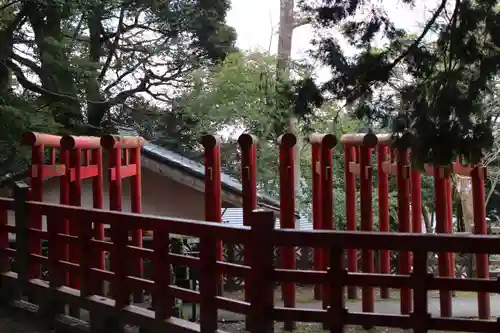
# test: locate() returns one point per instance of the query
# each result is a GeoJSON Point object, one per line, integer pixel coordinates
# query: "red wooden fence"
{"type": "Point", "coordinates": [260, 238]}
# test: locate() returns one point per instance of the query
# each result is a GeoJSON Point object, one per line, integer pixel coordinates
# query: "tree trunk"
{"type": "Point", "coordinates": [464, 190]}
{"type": "Point", "coordinates": [96, 112]}
{"type": "Point", "coordinates": [427, 220]}
{"type": "Point", "coordinates": [55, 73]}
{"type": "Point", "coordinates": [283, 70]}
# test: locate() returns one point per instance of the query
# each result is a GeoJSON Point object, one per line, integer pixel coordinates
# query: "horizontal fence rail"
{"type": "Point", "coordinates": [112, 312]}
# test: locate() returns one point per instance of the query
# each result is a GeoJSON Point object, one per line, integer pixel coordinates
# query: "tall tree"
{"type": "Point", "coordinates": [448, 67]}
{"type": "Point", "coordinates": [88, 60]}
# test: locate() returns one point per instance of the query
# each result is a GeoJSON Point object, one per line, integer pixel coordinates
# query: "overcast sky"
{"type": "Point", "coordinates": [256, 22]}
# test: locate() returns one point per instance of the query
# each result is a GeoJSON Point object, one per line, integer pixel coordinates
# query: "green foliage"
{"type": "Point", "coordinates": [447, 71]}
{"type": "Point", "coordinates": [18, 115]}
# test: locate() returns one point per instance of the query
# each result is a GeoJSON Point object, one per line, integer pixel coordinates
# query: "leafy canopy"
{"type": "Point", "coordinates": [433, 85]}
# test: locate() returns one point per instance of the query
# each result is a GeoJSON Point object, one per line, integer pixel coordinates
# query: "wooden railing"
{"type": "Point", "coordinates": [110, 314]}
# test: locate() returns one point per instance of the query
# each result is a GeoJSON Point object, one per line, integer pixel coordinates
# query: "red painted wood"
{"type": "Point", "coordinates": [136, 205]}
{"type": "Point", "coordinates": [403, 183]}
{"type": "Point", "coordinates": [63, 224]}
{"type": "Point", "coordinates": [441, 227]}
{"type": "Point", "coordinates": [326, 208]}
{"type": "Point", "coordinates": [36, 194]}
{"type": "Point", "coordinates": [316, 210]}
{"type": "Point", "coordinates": [98, 203]}
{"type": "Point", "coordinates": [248, 145]}
{"type": "Point", "coordinates": [449, 221]}
{"type": "Point", "coordinates": [287, 213]}
{"type": "Point", "coordinates": [75, 199]}
{"type": "Point", "coordinates": [350, 201]}
{"type": "Point", "coordinates": [383, 210]}
{"type": "Point", "coordinates": [126, 171]}
{"type": "Point", "coordinates": [213, 187]}
{"type": "Point", "coordinates": [480, 227]}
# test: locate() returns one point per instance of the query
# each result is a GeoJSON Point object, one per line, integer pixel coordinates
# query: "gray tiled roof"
{"type": "Point", "coordinates": [197, 169]}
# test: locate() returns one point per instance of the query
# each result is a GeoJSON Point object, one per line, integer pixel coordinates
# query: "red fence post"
{"type": "Point", "coordinates": [403, 183]}
{"type": "Point", "coordinates": [365, 143]}
{"type": "Point", "coordinates": [416, 201]}
{"type": "Point", "coordinates": [162, 295]}
{"type": "Point", "coordinates": [287, 215]}
{"type": "Point", "coordinates": [328, 141]}
{"type": "Point", "coordinates": [383, 211]}
{"type": "Point", "coordinates": [350, 202]}
{"type": "Point", "coordinates": [316, 209]}
{"type": "Point", "coordinates": [440, 175]}
{"type": "Point", "coordinates": [261, 263]}
{"type": "Point", "coordinates": [478, 175]}
{"type": "Point", "coordinates": [449, 221]}
{"type": "Point", "coordinates": [98, 202]}
{"type": "Point", "coordinates": [63, 224]}
{"type": "Point", "coordinates": [366, 221]}
{"type": "Point", "coordinates": [117, 171]}
{"type": "Point", "coordinates": [75, 198]}
{"type": "Point", "coordinates": [36, 194]}
{"type": "Point", "coordinates": [248, 145]}
{"type": "Point", "coordinates": [136, 207]}
{"type": "Point", "coordinates": [209, 284]}
{"type": "Point", "coordinates": [213, 189]}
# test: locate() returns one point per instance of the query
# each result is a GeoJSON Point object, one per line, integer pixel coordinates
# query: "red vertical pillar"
{"type": "Point", "coordinates": [287, 214]}
{"type": "Point", "coordinates": [248, 145]}
{"type": "Point", "coordinates": [403, 182]}
{"type": "Point", "coordinates": [64, 200]}
{"type": "Point", "coordinates": [478, 176]}
{"type": "Point", "coordinates": [75, 198]}
{"type": "Point", "coordinates": [416, 201]}
{"type": "Point", "coordinates": [213, 189]}
{"type": "Point", "coordinates": [36, 194]}
{"type": "Point", "coordinates": [136, 207]}
{"type": "Point", "coordinates": [350, 202]}
{"type": "Point", "coordinates": [366, 220]}
{"type": "Point", "coordinates": [328, 142]}
{"type": "Point", "coordinates": [115, 203]}
{"type": "Point", "coordinates": [98, 202]}
{"type": "Point", "coordinates": [316, 210]}
{"type": "Point", "coordinates": [383, 211]}
{"type": "Point", "coordinates": [440, 175]}
{"type": "Point", "coordinates": [449, 221]}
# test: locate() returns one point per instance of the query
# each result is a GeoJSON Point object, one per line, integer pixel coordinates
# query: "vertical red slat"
{"type": "Point", "coordinates": [261, 263]}
{"type": "Point", "coordinates": [162, 296]}
{"type": "Point", "coordinates": [403, 182]}
{"type": "Point", "coordinates": [63, 224]}
{"type": "Point", "coordinates": [327, 207]}
{"type": "Point", "coordinates": [416, 201]}
{"type": "Point", "coordinates": [209, 283]}
{"type": "Point", "coordinates": [98, 202]}
{"type": "Point", "coordinates": [478, 175]}
{"type": "Point", "coordinates": [75, 198]}
{"type": "Point", "coordinates": [350, 202]}
{"type": "Point", "coordinates": [443, 258]}
{"type": "Point", "coordinates": [213, 188]}
{"type": "Point", "coordinates": [366, 221]}
{"type": "Point", "coordinates": [287, 214]}
{"type": "Point", "coordinates": [316, 210]}
{"type": "Point", "coordinates": [35, 221]}
{"type": "Point", "coordinates": [383, 210]}
{"type": "Point", "coordinates": [118, 233]}
{"type": "Point", "coordinates": [136, 207]}
{"type": "Point", "coordinates": [52, 155]}
{"type": "Point", "coordinates": [449, 221]}
{"type": "Point", "coordinates": [248, 147]}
